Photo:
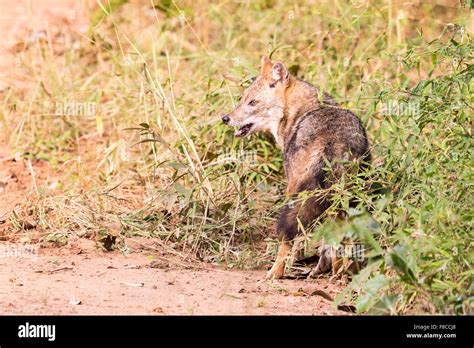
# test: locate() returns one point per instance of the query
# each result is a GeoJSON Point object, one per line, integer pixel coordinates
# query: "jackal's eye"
{"type": "Point", "coordinates": [253, 102]}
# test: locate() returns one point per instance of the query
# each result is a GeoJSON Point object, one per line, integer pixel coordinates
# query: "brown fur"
{"type": "Point", "coordinates": [311, 129]}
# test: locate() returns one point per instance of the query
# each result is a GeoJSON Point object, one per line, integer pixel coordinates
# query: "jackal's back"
{"type": "Point", "coordinates": [327, 133]}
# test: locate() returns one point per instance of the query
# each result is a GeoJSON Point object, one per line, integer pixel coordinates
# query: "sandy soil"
{"type": "Point", "coordinates": [87, 281]}
{"type": "Point", "coordinates": [24, 21]}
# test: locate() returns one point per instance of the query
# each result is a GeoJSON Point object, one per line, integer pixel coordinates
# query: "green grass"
{"type": "Point", "coordinates": [151, 161]}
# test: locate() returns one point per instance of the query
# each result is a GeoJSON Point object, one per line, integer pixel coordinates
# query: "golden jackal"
{"type": "Point", "coordinates": [311, 129]}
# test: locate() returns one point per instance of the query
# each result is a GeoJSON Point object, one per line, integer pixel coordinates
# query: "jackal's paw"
{"type": "Point", "coordinates": [276, 272]}
{"type": "Point", "coordinates": [324, 265]}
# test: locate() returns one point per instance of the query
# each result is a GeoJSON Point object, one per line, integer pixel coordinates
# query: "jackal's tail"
{"type": "Point", "coordinates": [301, 211]}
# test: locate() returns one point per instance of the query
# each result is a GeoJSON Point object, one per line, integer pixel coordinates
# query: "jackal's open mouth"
{"type": "Point", "coordinates": [244, 130]}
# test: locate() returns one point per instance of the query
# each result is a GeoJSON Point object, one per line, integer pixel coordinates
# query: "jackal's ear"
{"type": "Point", "coordinates": [280, 72]}
{"type": "Point", "coordinates": [266, 65]}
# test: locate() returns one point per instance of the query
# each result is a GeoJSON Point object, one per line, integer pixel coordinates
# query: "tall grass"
{"type": "Point", "coordinates": [153, 159]}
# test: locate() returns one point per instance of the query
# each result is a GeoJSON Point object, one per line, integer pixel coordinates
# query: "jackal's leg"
{"type": "Point", "coordinates": [278, 268]}
{"type": "Point", "coordinates": [326, 253]}
{"type": "Point", "coordinates": [298, 250]}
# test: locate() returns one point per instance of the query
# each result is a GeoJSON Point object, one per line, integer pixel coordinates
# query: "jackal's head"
{"type": "Point", "coordinates": [262, 105]}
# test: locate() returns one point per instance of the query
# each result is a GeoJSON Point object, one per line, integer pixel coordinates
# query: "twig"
{"type": "Point", "coordinates": [30, 167]}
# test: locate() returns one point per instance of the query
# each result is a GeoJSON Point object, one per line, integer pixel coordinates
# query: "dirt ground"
{"type": "Point", "coordinates": [83, 280]}
{"type": "Point", "coordinates": [79, 278]}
